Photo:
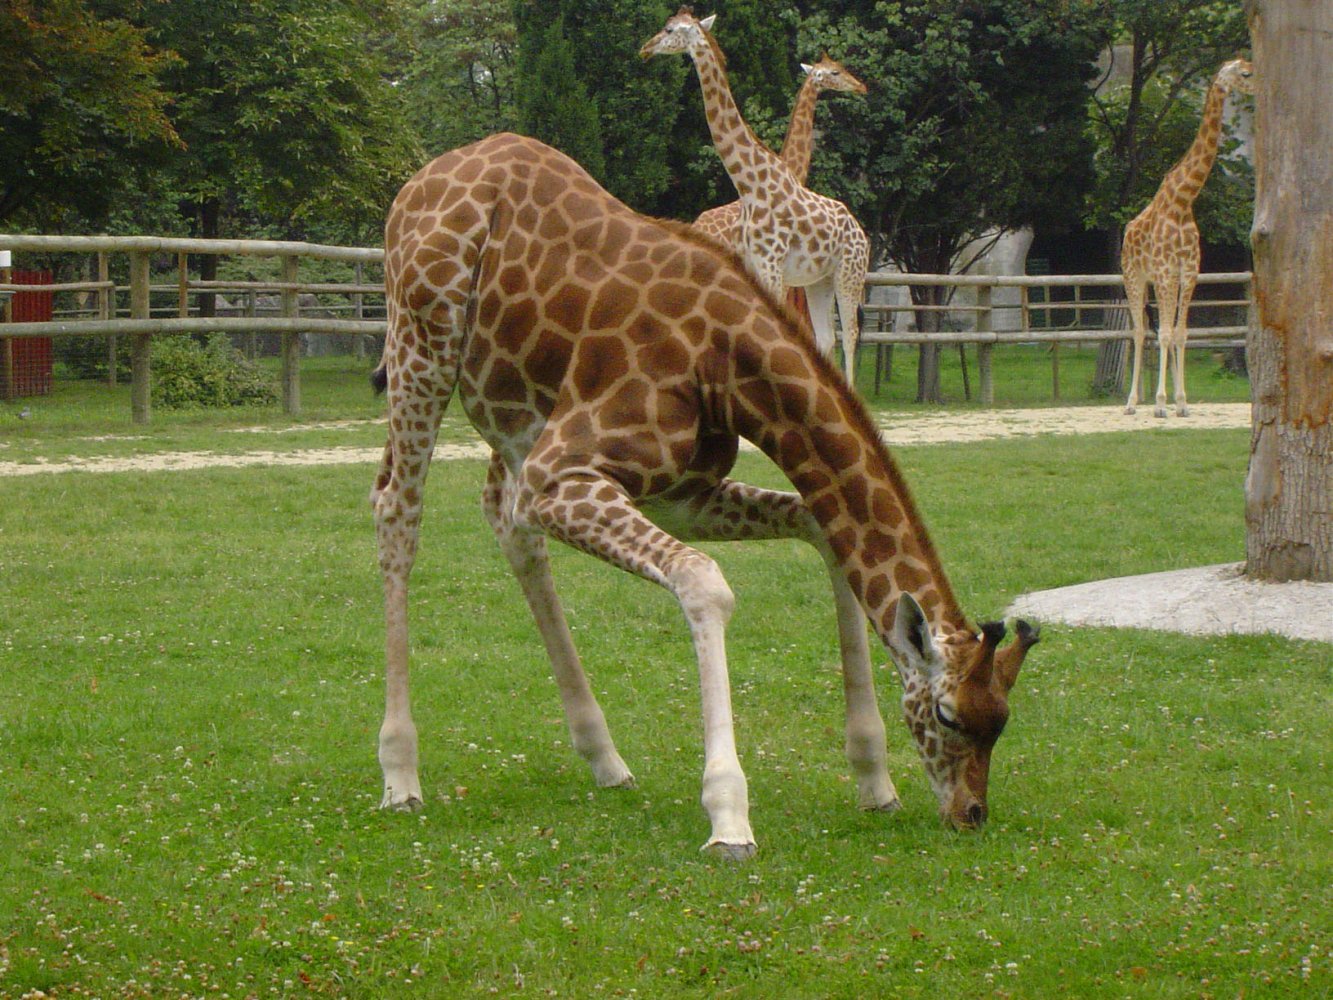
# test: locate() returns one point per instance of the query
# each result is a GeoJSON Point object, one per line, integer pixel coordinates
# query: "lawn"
{"type": "Point", "coordinates": [190, 690]}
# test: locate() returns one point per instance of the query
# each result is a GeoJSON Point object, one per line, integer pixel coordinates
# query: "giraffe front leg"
{"type": "Point", "coordinates": [865, 739]}
{"type": "Point", "coordinates": [615, 530]}
{"type": "Point", "coordinates": [707, 602]}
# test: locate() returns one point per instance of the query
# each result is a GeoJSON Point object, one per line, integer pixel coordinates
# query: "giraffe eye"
{"type": "Point", "coordinates": [945, 716]}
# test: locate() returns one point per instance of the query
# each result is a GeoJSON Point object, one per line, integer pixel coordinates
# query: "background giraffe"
{"type": "Point", "coordinates": [1161, 247]}
{"type": "Point", "coordinates": [790, 236]}
{"type": "Point", "coordinates": [723, 222]}
{"type": "Point", "coordinates": [612, 362]}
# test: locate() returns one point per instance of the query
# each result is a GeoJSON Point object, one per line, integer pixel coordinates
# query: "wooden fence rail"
{"type": "Point", "coordinates": [112, 311]}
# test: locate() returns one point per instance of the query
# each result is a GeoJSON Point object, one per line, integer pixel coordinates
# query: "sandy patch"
{"type": "Point", "coordinates": [938, 427]}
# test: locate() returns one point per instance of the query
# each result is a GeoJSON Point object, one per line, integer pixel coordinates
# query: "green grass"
{"type": "Point", "coordinates": [190, 690]}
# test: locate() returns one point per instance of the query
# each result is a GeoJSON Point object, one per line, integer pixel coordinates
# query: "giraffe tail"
{"type": "Point", "coordinates": [379, 379]}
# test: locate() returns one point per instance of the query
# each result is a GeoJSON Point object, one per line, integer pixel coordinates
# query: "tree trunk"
{"type": "Point", "coordinates": [1289, 488]}
{"type": "Point", "coordinates": [210, 213]}
{"type": "Point", "coordinates": [1109, 377]}
{"type": "Point", "coordinates": [928, 364]}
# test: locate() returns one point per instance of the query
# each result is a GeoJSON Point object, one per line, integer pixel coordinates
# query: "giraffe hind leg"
{"type": "Point", "coordinates": [526, 551]}
{"type": "Point", "coordinates": [416, 403]}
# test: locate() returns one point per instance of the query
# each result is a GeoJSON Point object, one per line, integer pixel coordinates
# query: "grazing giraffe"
{"type": "Point", "coordinates": [723, 222]}
{"type": "Point", "coordinates": [1161, 246]}
{"type": "Point", "coordinates": [612, 362]}
{"type": "Point", "coordinates": [790, 236]}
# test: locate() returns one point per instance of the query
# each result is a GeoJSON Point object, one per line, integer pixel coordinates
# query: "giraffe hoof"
{"type": "Point", "coordinates": [1184, 411]}
{"type": "Point", "coordinates": [892, 806]}
{"type": "Point", "coordinates": [1129, 411]}
{"type": "Point", "coordinates": [624, 782]}
{"type": "Point", "coordinates": [730, 852]}
{"type": "Point", "coordinates": [401, 803]}
{"type": "Point", "coordinates": [1160, 412]}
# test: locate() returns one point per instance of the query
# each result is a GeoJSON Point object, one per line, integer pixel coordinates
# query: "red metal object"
{"type": "Point", "coordinates": [30, 357]}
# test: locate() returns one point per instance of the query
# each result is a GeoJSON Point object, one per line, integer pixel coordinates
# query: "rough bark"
{"type": "Point", "coordinates": [1289, 488]}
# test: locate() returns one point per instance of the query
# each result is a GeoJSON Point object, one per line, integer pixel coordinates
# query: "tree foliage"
{"type": "Point", "coordinates": [556, 107]}
{"type": "Point", "coordinates": [460, 83]}
{"type": "Point", "coordinates": [284, 112]}
{"type": "Point", "coordinates": [636, 113]}
{"type": "Point", "coordinates": [82, 111]}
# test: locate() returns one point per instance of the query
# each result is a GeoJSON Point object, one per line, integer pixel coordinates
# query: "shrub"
{"type": "Point", "coordinates": [189, 374]}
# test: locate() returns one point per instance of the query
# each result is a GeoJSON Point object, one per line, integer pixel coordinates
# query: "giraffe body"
{"type": "Point", "coordinates": [790, 236]}
{"type": "Point", "coordinates": [612, 362]}
{"type": "Point", "coordinates": [1161, 248]}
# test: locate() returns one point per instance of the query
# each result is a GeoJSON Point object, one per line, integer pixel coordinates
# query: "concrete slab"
{"type": "Point", "coordinates": [1211, 600]}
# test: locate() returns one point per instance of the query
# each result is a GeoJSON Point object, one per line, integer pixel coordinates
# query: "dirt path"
{"type": "Point", "coordinates": [940, 427]}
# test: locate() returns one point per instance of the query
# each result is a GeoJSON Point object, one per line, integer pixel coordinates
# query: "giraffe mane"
{"type": "Point", "coordinates": [801, 337]}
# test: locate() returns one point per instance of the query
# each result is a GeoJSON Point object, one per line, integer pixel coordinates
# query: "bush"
{"type": "Point", "coordinates": [189, 374]}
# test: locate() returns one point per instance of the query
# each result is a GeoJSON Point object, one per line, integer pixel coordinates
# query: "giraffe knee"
{"type": "Point", "coordinates": [703, 591]}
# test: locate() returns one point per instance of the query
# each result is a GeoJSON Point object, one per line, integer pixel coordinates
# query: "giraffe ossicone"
{"type": "Point", "coordinates": [1161, 247]}
{"type": "Point", "coordinates": [612, 362]}
{"type": "Point", "coordinates": [789, 236]}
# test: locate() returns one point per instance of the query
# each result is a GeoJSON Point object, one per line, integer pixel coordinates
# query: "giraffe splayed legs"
{"type": "Point", "coordinates": [612, 363]}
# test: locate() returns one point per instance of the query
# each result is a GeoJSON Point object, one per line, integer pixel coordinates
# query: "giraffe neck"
{"type": "Point", "coordinates": [1185, 180]}
{"type": "Point", "coordinates": [794, 407]}
{"type": "Point", "coordinates": [740, 149]}
{"type": "Point", "coordinates": [796, 148]}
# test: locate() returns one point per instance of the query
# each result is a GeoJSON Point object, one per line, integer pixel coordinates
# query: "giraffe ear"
{"type": "Point", "coordinates": [910, 642]}
{"type": "Point", "coordinates": [707, 22]}
{"type": "Point", "coordinates": [807, 68]}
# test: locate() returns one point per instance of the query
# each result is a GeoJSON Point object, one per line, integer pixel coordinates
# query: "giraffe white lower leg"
{"type": "Point", "coordinates": [865, 739]}
{"type": "Point", "coordinates": [1163, 359]}
{"type": "Point", "coordinates": [398, 733]}
{"type": "Point", "coordinates": [707, 602]}
{"type": "Point", "coordinates": [526, 552]}
{"type": "Point", "coordinates": [1182, 409]}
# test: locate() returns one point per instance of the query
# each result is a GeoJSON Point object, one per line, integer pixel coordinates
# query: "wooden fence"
{"type": "Point", "coordinates": [1026, 309]}
{"type": "Point", "coordinates": [110, 310]}
{"type": "Point", "coordinates": [988, 310]}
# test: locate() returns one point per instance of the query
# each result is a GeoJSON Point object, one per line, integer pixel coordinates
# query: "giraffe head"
{"type": "Point", "coordinates": [683, 33]}
{"type": "Point", "coordinates": [956, 703]}
{"type": "Point", "coordinates": [829, 74]}
{"type": "Point", "coordinates": [1235, 75]}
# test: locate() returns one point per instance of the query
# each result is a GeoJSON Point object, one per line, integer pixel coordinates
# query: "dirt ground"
{"type": "Point", "coordinates": [1209, 600]}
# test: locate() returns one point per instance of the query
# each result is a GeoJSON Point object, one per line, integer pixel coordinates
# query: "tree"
{"type": "Point", "coordinates": [973, 125]}
{"type": "Point", "coordinates": [1289, 488]}
{"type": "Point", "coordinates": [637, 112]}
{"type": "Point", "coordinates": [460, 84]}
{"type": "Point", "coordinates": [556, 108]}
{"type": "Point", "coordinates": [285, 112]}
{"type": "Point", "coordinates": [82, 110]}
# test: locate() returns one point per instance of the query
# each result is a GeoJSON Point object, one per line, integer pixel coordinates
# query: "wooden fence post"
{"type": "Point", "coordinates": [984, 347]}
{"type": "Point", "coordinates": [141, 406]}
{"type": "Point", "coordinates": [183, 284]}
{"type": "Point", "coordinates": [291, 341]}
{"type": "Point", "coordinates": [106, 298]}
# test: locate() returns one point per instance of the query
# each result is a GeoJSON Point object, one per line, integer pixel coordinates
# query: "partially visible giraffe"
{"type": "Point", "coordinates": [791, 237]}
{"type": "Point", "coordinates": [1161, 247]}
{"type": "Point", "coordinates": [723, 222]}
{"type": "Point", "coordinates": [612, 362]}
